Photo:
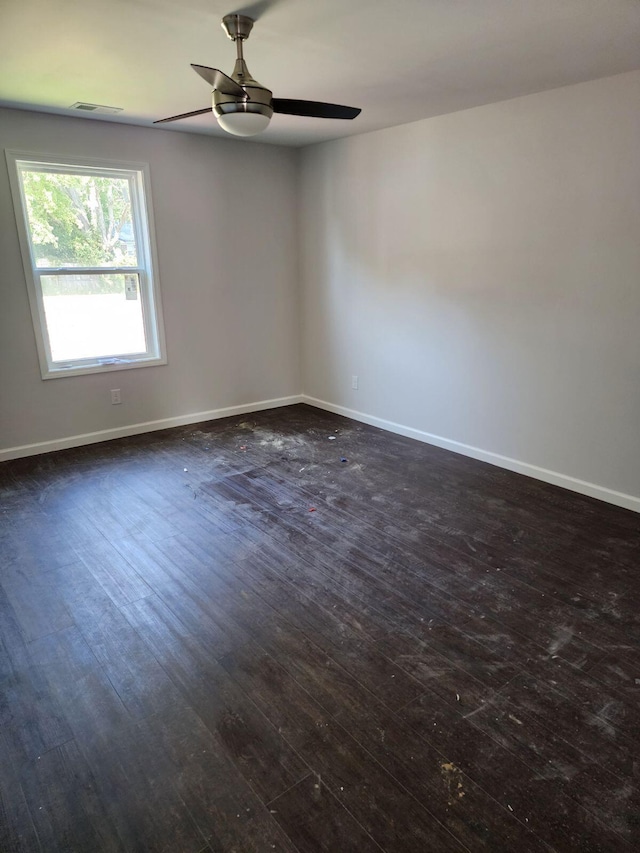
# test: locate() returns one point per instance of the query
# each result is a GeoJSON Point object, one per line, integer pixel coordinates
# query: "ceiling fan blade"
{"type": "Point", "coordinates": [218, 80]}
{"type": "Point", "coordinates": [184, 115]}
{"type": "Point", "coordinates": [314, 109]}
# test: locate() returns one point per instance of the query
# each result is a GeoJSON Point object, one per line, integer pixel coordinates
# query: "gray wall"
{"type": "Point", "coordinates": [227, 246]}
{"type": "Point", "coordinates": [480, 273]}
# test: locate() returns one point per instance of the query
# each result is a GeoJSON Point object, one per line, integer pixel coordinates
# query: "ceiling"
{"type": "Point", "coordinates": [399, 60]}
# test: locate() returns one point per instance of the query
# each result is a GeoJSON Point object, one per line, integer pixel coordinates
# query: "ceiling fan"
{"type": "Point", "coordinates": [243, 106]}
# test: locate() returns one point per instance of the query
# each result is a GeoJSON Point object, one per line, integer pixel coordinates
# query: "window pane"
{"type": "Point", "coordinates": [79, 220]}
{"type": "Point", "coordinates": [93, 316]}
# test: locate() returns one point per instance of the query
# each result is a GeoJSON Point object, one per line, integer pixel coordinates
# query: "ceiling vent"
{"type": "Point", "coordinates": [95, 108]}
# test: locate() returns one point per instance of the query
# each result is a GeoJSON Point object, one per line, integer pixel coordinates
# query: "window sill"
{"type": "Point", "coordinates": [103, 366]}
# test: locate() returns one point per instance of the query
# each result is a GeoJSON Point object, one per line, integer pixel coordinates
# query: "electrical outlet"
{"type": "Point", "coordinates": [354, 382]}
{"type": "Point", "coordinates": [115, 396]}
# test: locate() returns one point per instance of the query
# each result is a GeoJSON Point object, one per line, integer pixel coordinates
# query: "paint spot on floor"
{"type": "Point", "coordinates": [452, 778]}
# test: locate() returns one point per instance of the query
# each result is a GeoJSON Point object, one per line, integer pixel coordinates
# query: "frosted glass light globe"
{"type": "Point", "coordinates": [243, 124]}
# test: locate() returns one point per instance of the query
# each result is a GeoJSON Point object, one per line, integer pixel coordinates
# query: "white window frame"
{"type": "Point", "coordinates": [147, 269]}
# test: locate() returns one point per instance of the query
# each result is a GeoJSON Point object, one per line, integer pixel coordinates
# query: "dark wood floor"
{"type": "Point", "coordinates": [245, 636]}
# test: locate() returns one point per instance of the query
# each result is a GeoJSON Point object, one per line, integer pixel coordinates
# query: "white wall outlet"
{"type": "Point", "coordinates": [115, 396]}
{"type": "Point", "coordinates": [354, 382]}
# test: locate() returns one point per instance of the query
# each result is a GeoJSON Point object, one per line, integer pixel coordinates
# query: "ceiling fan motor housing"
{"type": "Point", "coordinates": [258, 98]}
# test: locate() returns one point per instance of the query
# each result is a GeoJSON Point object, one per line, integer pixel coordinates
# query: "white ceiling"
{"type": "Point", "coordinates": [399, 60]}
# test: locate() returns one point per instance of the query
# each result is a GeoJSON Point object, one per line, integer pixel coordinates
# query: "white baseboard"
{"type": "Point", "coordinates": [148, 426]}
{"type": "Point", "coordinates": [573, 484]}
{"type": "Point", "coordinates": [563, 480]}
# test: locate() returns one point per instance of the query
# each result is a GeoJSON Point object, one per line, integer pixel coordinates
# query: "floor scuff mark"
{"type": "Point", "coordinates": [563, 635]}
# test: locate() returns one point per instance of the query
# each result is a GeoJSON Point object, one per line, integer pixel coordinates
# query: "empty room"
{"type": "Point", "coordinates": [319, 426]}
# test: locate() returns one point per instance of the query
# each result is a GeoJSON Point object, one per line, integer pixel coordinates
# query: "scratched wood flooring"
{"type": "Point", "coordinates": [290, 631]}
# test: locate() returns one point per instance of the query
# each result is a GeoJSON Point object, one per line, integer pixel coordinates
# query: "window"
{"type": "Point", "coordinates": [86, 234]}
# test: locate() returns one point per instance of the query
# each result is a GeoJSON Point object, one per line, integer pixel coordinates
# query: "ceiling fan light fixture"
{"type": "Point", "coordinates": [243, 118]}
{"type": "Point", "coordinates": [244, 124]}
